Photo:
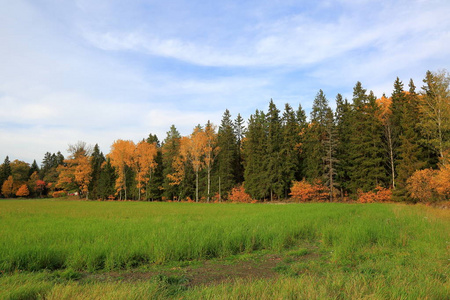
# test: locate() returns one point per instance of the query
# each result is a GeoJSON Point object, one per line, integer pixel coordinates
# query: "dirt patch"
{"type": "Point", "coordinates": [211, 271]}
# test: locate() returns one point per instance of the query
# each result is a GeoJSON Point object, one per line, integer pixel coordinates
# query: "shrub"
{"type": "Point", "coordinates": [57, 194]}
{"type": "Point", "coordinates": [304, 191]}
{"type": "Point", "coordinates": [238, 194]}
{"type": "Point", "coordinates": [380, 194]}
{"type": "Point", "coordinates": [23, 191]}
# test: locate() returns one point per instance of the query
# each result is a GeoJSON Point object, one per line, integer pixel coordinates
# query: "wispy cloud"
{"type": "Point", "coordinates": [102, 70]}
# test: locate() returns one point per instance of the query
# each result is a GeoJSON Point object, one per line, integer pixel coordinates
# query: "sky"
{"type": "Point", "coordinates": [98, 71]}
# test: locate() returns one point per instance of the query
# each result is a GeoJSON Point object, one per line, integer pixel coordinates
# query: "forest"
{"type": "Point", "coordinates": [368, 149]}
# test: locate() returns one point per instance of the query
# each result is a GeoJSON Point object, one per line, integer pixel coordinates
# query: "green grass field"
{"type": "Point", "coordinates": [55, 249]}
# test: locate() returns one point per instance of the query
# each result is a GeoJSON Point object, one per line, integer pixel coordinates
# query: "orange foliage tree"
{"type": "Point", "coordinates": [23, 191]}
{"type": "Point", "coordinates": [304, 191]}
{"type": "Point", "coordinates": [431, 185]}
{"type": "Point", "coordinates": [192, 149]}
{"type": "Point", "coordinates": [121, 156]}
{"type": "Point", "coordinates": [143, 163]}
{"type": "Point", "coordinates": [238, 194]}
{"type": "Point", "coordinates": [211, 151]}
{"type": "Point", "coordinates": [77, 170]}
{"type": "Point", "coordinates": [7, 187]}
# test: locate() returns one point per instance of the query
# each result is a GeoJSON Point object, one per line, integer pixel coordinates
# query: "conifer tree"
{"type": "Point", "coordinates": [173, 166]}
{"type": "Point", "coordinates": [239, 131]}
{"type": "Point", "coordinates": [343, 130]}
{"type": "Point", "coordinates": [273, 160]}
{"type": "Point", "coordinates": [97, 159]}
{"type": "Point", "coordinates": [5, 171]}
{"type": "Point", "coordinates": [155, 184]}
{"type": "Point", "coordinates": [107, 180]}
{"type": "Point", "coordinates": [227, 158]}
{"type": "Point", "coordinates": [255, 151]}
{"type": "Point", "coordinates": [314, 138]}
{"type": "Point", "coordinates": [289, 148]}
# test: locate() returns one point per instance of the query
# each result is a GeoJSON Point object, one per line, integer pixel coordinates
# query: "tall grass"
{"type": "Point", "coordinates": [92, 236]}
{"type": "Point", "coordinates": [373, 251]}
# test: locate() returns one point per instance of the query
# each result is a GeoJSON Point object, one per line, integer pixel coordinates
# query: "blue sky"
{"type": "Point", "coordinates": [97, 71]}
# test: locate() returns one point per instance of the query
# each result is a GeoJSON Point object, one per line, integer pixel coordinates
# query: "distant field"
{"type": "Point", "coordinates": [57, 249]}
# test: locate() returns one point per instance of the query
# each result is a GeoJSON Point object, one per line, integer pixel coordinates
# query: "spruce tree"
{"type": "Point", "coordinates": [314, 139]}
{"type": "Point", "coordinates": [255, 152]}
{"type": "Point", "coordinates": [289, 148]}
{"type": "Point", "coordinates": [227, 159]}
{"type": "Point", "coordinates": [239, 131]}
{"type": "Point", "coordinates": [97, 159]}
{"type": "Point", "coordinates": [273, 159]}
{"type": "Point", "coordinates": [154, 189]}
{"type": "Point", "coordinates": [5, 171]}
{"type": "Point", "coordinates": [170, 151]}
{"type": "Point", "coordinates": [343, 130]}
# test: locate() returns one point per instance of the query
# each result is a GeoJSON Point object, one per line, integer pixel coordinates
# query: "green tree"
{"type": "Point", "coordinates": [273, 160]}
{"type": "Point", "coordinates": [228, 156]}
{"type": "Point", "coordinates": [343, 117]}
{"type": "Point", "coordinates": [155, 184]}
{"type": "Point", "coordinates": [97, 159]}
{"type": "Point", "coordinates": [5, 170]}
{"type": "Point", "coordinates": [172, 164]}
{"type": "Point", "coordinates": [255, 152]}
{"type": "Point", "coordinates": [290, 148]}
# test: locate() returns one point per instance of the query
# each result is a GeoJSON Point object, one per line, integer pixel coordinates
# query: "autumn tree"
{"type": "Point", "coordinates": [23, 191]}
{"type": "Point", "coordinates": [192, 150]}
{"type": "Point", "coordinates": [121, 158]}
{"type": "Point", "coordinates": [435, 109]}
{"type": "Point", "coordinates": [143, 162]}
{"type": "Point", "coordinates": [211, 151]}
{"type": "Point", "coordinates": [7, 187]}
{"type": "Point", "coordinates": [5, 171]}
{"type": "Point", "coordinates": [77, 169]}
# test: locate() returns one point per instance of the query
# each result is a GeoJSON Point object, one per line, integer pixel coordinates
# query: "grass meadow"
{"type": "Point", "coordinates": [59, 249]}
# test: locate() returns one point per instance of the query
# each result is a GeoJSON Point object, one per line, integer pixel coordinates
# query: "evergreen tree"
{"type": "Point", "coordinates": [366, 170]}
{"type": "Point", "coordinates": [330, 146]}
{"type": "Point", "coordinates": [273, 160]}
{"type": "Point", "coordinates": [34, 168]}
{"type": "Point", "coordinates": [97, 159]}
{"type": "Point", "coordinates": [5, 171]}
{"type": "Point", "coordinates": [227, 158]}
{"type": "Point", "coordinates": [170, 153]}
{"type": "Point", "coordinates": [314, 139]}
{"type": "Point", "coordinates": [289, 151]}
{"type": "Point", "coordinates": [303, 126]}
{"type": "Point", "coordinates": [106, 181]}
{"type": "Point", "coordinates": [255, 152]}
{"type": "Point", "coordinates": [239, 131]}
{"type": "Point", "coordinates": [410, 154]}
{"type": "Point", "coordinates": [343, 130]}
{"type": "Point", "coordinates": [155, 184]}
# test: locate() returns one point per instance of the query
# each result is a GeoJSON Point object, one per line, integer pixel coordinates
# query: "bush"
{"type": "Point", "coordinates": [304, 191]}
{"type": "Point", "coordinates": [238, 194]}
{"type": "Point", "coordinates": [57, 194]}
{"type": "Point", "coordinates": [380, 194]}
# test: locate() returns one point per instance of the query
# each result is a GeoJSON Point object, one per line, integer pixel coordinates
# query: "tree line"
{"type": "Point", "coordinates": [387, 148]}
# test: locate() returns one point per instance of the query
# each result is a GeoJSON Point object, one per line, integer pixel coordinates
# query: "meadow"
{"type": "Point", "coordinates": [60, 249]}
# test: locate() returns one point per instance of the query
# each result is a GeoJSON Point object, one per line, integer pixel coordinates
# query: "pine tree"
{"type": "Point", "coordinates": [34, 168]}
